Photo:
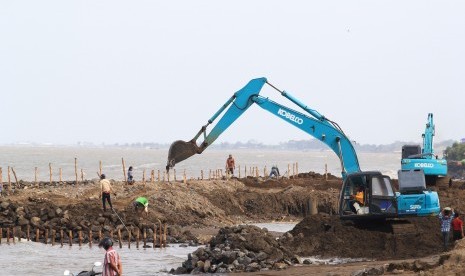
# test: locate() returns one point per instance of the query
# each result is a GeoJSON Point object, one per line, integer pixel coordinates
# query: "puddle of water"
{"type": "Point", "coordinates": [280, 227]}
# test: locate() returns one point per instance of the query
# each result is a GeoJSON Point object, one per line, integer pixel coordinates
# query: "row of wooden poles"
{"type": "Point", "coordinates": [254, 171]}
{"type": "Point", "coordinates": [13, 232]}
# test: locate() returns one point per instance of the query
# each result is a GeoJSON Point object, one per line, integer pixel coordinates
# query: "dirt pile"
{"type": "Point", "coordinates": [328, 236]}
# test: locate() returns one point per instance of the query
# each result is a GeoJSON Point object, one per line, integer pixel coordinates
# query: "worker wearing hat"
{"type": "Point", "coordinates": [446, 216]}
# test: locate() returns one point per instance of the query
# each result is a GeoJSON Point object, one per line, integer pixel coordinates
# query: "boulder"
{"type": "Point", "coordinates": [35, 221]}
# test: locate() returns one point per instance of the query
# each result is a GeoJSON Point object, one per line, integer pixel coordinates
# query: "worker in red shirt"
{"type": "Point", "coordinates": [457, 227]}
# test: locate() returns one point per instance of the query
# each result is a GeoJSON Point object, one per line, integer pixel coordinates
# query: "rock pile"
{"type": "Point", "coordinates": [243, 248]}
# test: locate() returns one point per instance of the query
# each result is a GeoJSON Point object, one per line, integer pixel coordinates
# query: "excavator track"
{"type": "Point", "coordinates": [403, 227]}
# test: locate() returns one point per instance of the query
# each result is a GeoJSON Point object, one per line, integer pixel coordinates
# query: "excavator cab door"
{"type": "Point", "coordinates": [367, 195]}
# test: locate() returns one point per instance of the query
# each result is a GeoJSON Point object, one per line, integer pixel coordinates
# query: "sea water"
{"type": "Point", "coordinates": [24, 160]}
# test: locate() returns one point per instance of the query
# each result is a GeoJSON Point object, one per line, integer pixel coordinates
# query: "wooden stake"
{"type": "Point", "coordinates": [174, 175]}
{"type": "Point", "coordinates": [161, 236]}
{"type": "Point", "coordinates": [239, 170]}
{"type": "Point", "coordinates": [82, 175]}
{"type": "Point", "coordinates": [90, 238]}
{"type": "Point", "coordinates": [53, 237]}
{"type": "Point", "coordinates": [152, 177]}
{"type": "Point", "coordinates": [137, 238]}
{"type": "Point", "coordinates": [119, 239]}
{"type": "Point", "coordinates": [145, 237]}
{"type": "Point", "coordinates": [8, 235]}
{"type": "Point", "coordinates": [46, 236]}
{"type": "Point", "coordinates": [14, 174]}
{"type": "Point", "coordinates": [124, 171]}
{"type": "Point", "coordinates": [326, 172]}
{"type": "Point", "coordinates": [37, 234]}
{"type": "Point", "coordinates": [245, 171]}
{"type": "Point", "coordinates": [75, 169]}
{"type": "Point", "coordinates": [201, 174]}
{"type": "Point", "coordinates": [80, 238]}
{"type": "Point", "coordinates": [164, 237]}
{"type": "Point", "coordinates": [20, 233]}
{"type": "Point", "coordinates": [143, 176]}
{"type": "Point", "coordinates": [154, 235]}
{"type": "Point", "coordinates": [100, 235]}
{"type": "Point", "coordinates": [129, 239]}
{"type": "Point", "coordinates": [28, 237]}
{"type": "Point", "coordinates": [50, 170]}
{"type": "Point", "coordinates": [14, 234]}
{"type": "Point", "coordinates": [293, 169]}
{"type": "Point", "coordinates": [184, 176]}
{"type": "Point", "coordinates": [70, 237]}
{"type": "Point", "coordinates": [9, 179]}
{"type": "Point", "coordinates": [1, 235]}
{"type": "Point", "coordinates": [61, 175]}
{"type": "Point", "coordinates": [35, 176]}
{"type": "Point", "coordinates": [100, 167]}
{"type": "Point", "coordinates": [297, 169]}
{"type": "Point", "coordinates": [61, 237]}
{"type": "Point", "coordinates": [288, 171]}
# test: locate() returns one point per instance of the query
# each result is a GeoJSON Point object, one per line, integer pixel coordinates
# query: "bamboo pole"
{"type": "Point", "coordinates": [100, 235]}
{"type": "Point", "coordinates": [82, 175]}
{"type": "Point", "coordinates": [245, 171]}
{"type": "Point", "coordinates": [90, 238]}
{"type": "Point", "coordinates": [80, 238]}
{"type": "Point", "coordinates": [35, 176]}
{"type": "Point", "coordinates": [119, 239]}
{"type": "Point", "coordinates": [239, 170]}
{"type": "Point", "coordinates": [61, 175]}
{"type": "Point", "coordinates": [293, 170]}
{"type": "Point", "coordinates": [28, 236]}
{"type": "Point", "coordinates": [8, 235]}
{"type": "Point", "coordinates": [37, 234]}
{"type": "Point", "coordinates": [75, 169]}
{"type": "Point", "coordinates": [210, 175]}
{"type": "Point", "coordinates": [137, 238]}
{"type": "Point", "coordinates": [20, 233]}
{"type": "Point", "coordinates": [13, 230]}
{"type": "Point", "coordinates": [70, 237]}
{"type": "Point", "coordinates": [50, 170]}
{"type": "Point", "coordinates": [100, 167]}
{"type": "Point", "coordinates": [124, 170]}
{"type": "Point", "coordinates": [53, 237]}
{"type": "Point", "coordinates": [297, 168]}
{"type": "Point", "coordinates": [46, 236]}
{"type": "Point", "coordinates": [61, 237]}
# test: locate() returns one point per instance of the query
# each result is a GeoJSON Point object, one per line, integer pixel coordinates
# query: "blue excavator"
{"type": "Point", "coordinates": [415, 157]}
{"type": "Point", "coordinates": [379, 199]}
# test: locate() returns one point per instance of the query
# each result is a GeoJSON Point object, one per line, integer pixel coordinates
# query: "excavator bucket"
{"type": "Point", "coordinates": [180, 151]}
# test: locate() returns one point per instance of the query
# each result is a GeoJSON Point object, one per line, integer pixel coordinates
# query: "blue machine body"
{"type": "Point", "coordinates": [382, 204]}
{"type": "Point", "coordinates": [414, 157]}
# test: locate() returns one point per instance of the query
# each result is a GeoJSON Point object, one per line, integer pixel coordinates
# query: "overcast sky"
{"type": "Point", "coordinates": [156, 71]}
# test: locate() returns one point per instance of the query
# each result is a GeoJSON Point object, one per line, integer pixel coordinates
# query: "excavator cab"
{"type": "Point", "coordinates": [367, 195]}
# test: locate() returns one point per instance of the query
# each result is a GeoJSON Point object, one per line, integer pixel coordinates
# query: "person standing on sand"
{"type": "Point", "coordinates": [457, 227]}
{"type": "Point", "coordinates": [446, 216]}
{"type": "Point", "coordinates": [230, 165]}
{"type": "Point", "coordinates": [112, 265]}
{"type": "Point", "coordinates": [105, 190]}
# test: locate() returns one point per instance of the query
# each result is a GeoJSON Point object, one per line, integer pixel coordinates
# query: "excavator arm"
{"type": "Point", "coordinates": [314, 124]}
